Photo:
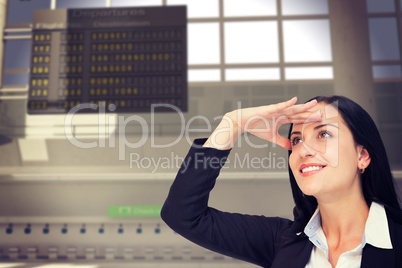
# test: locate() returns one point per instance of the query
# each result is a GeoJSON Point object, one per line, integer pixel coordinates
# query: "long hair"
{"type": "Point", "coordinates": [377, 180]}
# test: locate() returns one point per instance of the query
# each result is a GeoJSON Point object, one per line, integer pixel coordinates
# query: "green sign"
{"type": "Point", "coordinates": [134, 211]}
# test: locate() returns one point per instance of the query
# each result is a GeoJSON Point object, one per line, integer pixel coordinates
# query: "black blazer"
{"type": "Point", "coordinates": [372, 257]}
{"type": "Point", "coordinates": [260, 240]}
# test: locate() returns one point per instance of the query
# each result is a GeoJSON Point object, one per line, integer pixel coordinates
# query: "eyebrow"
{"type": "Point", "coordinates": [315, 128]}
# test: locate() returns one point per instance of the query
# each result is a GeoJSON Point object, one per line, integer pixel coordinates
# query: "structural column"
{"type": "Point", "coordinates": [351, 52]}
{"type": "Point", "coordinates": [3, 14]}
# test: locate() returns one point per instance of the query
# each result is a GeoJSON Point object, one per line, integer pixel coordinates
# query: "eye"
{"type": "Point", "coordinates": [324, 135]}
{"type": "Point", "coordinates": [295, 141]}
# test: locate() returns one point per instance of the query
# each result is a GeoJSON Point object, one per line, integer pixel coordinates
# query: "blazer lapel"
{"type": "Point", "coordinates": [297, 254]}
{"type": "Point", "coordinates": [377, 257]}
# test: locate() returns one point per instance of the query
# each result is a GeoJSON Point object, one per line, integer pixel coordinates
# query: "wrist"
{"type": "Point", "coordinates": [225, 135]}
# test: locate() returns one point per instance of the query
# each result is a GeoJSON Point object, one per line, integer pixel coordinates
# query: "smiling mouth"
{"type": "Point", "coordinates": [311, 170]}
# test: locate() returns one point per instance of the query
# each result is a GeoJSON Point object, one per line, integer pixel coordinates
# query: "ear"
{"type": "Point", "coordinates": [364, 157]}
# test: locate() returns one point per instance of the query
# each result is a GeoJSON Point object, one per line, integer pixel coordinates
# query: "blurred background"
{"type": "Point", "coordinates": [63, 205]}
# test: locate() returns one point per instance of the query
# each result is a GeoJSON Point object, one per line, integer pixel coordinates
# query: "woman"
{"type": "Point", "coordinates": [347, 212]}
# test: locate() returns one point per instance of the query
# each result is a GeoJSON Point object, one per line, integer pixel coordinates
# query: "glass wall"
{"type": "Point", "coordinates": [384, 19]}
{"type": "Point", "coordinates": [228, 40]}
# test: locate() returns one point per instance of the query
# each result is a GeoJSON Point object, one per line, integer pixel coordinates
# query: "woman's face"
{"type": "Point", "coordinates": [324, 157]}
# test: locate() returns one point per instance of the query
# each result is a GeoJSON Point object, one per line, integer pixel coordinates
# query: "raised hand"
{"type": "Point", "coordinates": [263, 122]}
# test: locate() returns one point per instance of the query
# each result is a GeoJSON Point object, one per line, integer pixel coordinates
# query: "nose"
{"type": "Point", "coordinates": [306, 151]}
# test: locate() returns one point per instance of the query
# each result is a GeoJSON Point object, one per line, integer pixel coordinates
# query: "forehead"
{"type": "Point", "coordinates": [330, 115]}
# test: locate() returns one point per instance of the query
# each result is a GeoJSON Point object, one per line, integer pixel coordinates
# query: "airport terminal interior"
{"type": "Point", "coordinates": [100, 101]}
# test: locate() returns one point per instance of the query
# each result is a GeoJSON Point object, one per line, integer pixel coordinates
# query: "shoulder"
{"type": "Point", "coordinates": [394, 215]}
{"type": "Point", "coordinates": [394, 218]}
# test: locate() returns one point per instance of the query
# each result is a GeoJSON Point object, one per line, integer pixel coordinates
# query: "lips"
{"type": "Point", "coordinates": [311, 168]}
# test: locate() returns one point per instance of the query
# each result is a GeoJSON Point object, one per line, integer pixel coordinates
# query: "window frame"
{"type": "Point", "coordinates": [25, 29]}
{"type": "Point", "coordinates": [395, 15]}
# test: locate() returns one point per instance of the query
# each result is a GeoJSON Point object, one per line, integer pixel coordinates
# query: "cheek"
{"type": "Point", "coordinates": [332, 154]}
{"type": "Point", "coordinates": [292, 163]}
{"type": "Point", "coordinates": [348, 158]}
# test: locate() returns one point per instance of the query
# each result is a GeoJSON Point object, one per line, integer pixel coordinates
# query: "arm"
{"type": "Point", "coordinates": [250, 238]}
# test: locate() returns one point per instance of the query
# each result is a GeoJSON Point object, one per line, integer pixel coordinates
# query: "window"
{"type": "Point", "coordinates": [202, 75]}
{"type": "Point", "coordinates": [237, 8]}
{"type": "Point", "coordinates": [387, 71]}
{"type": "Point", "coordinates": [257, 46]}
{"type": "Point", "coordinates": [247, 74]}
{"type": "Point", "coordinates": [134, 3]}
{"type": "Point", "coordinates": [384, 39]}
{"type": "Point", "coordinates": [307, 41]}
{"type": "Point", "coordinates": [267, 40]}
{"type": "Point", "coordinates": [21, 11]}
{"type": "Point", "coordinates": [228, 40]}
{"type": "Point", "coordinates": [375, 6]}
{"type": "Point", "coordinates": [303, 73]}
{"type": "Point", "coordinates": [199, 9]}
{"type": "Point", "coordinates": [80, 3]}
{"type": "Point", "coordinates": [384, 20]}
{"type": "Point", "coordinates": [203, 43]}
{"type": "Point", "coordinates": [17, 54]}
{"type": "Point", "coordinates": [15, 79]}
{"type": "Point", "coordinates": [304, 7]}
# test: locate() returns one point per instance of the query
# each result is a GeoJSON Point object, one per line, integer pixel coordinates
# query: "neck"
{"type": "Point", "coordinates": [344, 218]}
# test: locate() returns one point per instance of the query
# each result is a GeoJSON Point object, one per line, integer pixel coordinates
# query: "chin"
{"type": "Point", "coordinates": [309, 190]}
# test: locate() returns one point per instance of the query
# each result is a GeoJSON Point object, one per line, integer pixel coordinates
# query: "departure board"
{"type": "Point", "coordinates": [124, 58]}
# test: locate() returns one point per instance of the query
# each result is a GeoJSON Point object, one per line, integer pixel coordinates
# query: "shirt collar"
{"type": "Point", "coordinates": [314, 224]}
{"type": "Point", "coordinates": [376, 232]}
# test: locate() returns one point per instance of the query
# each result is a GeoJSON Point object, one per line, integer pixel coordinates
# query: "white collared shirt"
{"type": "Point", "coordinates": [376, 233]}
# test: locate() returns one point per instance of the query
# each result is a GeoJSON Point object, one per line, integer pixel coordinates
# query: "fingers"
{"type": "Point", "coordinates": [300, 107]}
{"type": "Point", "coordinates": [287, 112]}
{"type": "Point", "coordinates": [310, 104]}
{"type": "Point", "coordinates": [301, 113]}
{"type": "Point", "coordinates": [287, 107]}
{"type": "Point", "coordinates": [303, 121]}
{"type": "Point", "coordinates": [290, 102]}
{"type": "Point", "coordinates": [283, 105]}
{"type": "Point", "coordinates": [262, 121]}
{"type": "Point", "coordinates": [306, 117]}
